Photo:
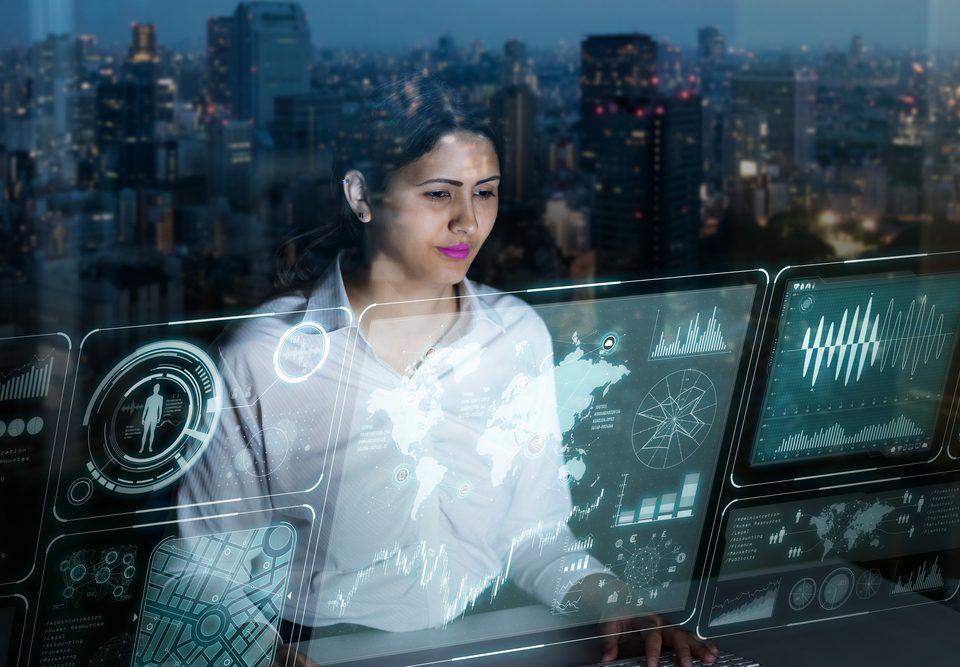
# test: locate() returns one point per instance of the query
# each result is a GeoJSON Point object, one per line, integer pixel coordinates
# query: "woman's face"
{"type": "Point", "coordinates": [437, 211]}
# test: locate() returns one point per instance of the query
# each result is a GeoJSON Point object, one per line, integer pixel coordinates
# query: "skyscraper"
{"type": "Point", "coordinates": [515, 111]}
{"type": "Point", "coordinates": [788, 100]}
{"type": "Point", "coordinates": [514, 63]}
{"type": "Point", "coordinates": [644, 152]}
{"type": "Point", "coordinates": [269, 57]}
{"type": "Point", "coordinates": [231, 163]}
{"type": "Point", "coordinates": [305, 129]}
{"type": "Point", "coordinates": [219, 44]}
{"type": "Point", "coordinates": [710, 47]}
{"type": "Point", "coordinates": [126, 113]}
{"type": "Point", "coordinates": [648, 172]}
{"type": "Point", "coordinates": [615, 70]}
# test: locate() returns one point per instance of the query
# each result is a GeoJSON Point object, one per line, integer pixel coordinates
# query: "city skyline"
{"type": "Point", "coordinates": [759, 24]}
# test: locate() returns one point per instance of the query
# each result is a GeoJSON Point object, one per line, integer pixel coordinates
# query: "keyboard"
{"type": "Point", "coordinates": [669, 660]}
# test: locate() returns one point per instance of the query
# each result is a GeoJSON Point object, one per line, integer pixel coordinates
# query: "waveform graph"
{"type": "Point", "coordinates": [853, 340]}
{"type": "Point", "coordinates": [30, 381]}
{"type": "Point", "coordinates": [756, 605]}
{"type": "Point", "coordinates": [901, 339]}
{"type": "Point", "coordinates": [677, 504]}
{"type": "Point", "coordinates": [913, 336]}
{"type": "Point", "coordinates": [674, 419]}
{"type": "Point", "coordinates": [926, 577]}
{"type": "Point", "coordinates": [703, 334]}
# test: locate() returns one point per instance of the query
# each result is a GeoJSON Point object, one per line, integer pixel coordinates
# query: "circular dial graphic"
{"type": "Point", "coordinates": [836, 588]}
{"type": "Point", "coordinates": [301, 351]}
{"type": "Point", "coordinates": [674, 419]}
{"type": "Point", "coordinates": [868, 584]}
{"type": "Point", "coordinates": [152, 416]}
{"type": "Point", "coordinates": [803, 593]}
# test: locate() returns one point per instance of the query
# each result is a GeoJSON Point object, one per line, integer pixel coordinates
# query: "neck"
{"type": "Point", "coordinates": [380, 283]}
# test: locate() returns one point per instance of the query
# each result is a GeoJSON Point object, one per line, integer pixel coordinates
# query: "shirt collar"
{"type": "Point", "coordinates": [329, 292]}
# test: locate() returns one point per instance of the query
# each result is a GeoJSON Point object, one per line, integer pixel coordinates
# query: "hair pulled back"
{"type": "Point", "coordinates": [402, 122]}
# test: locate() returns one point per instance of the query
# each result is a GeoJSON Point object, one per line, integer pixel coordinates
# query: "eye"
{"type": "Point", "coordinates": [437, 195]}
{"type": "Point", "coordinates": [485, 194]}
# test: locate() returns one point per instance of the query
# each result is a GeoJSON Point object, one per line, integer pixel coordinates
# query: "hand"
{"type": "Point", "coordinates": [683, 643]}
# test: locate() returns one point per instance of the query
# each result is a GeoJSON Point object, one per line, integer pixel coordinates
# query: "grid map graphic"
{"type": "Point", "coordinates": [215, 599]}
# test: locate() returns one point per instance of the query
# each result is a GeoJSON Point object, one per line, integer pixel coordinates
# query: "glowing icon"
{"type": "Point", "coordinates": [535, 446]}
{"type": "Point", "coordinates": [301, 352]}
{"type": "Point", "coordinates": [609, 342]}
{"type": "Point", "coordinates": [150, 418]}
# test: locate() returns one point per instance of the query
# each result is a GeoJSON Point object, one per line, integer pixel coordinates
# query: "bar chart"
{"type": "Point", "coordinates": [670, 505]}
{"type": "Point", "coordinates": [26, 382]}
{"type": "Point", "coordinates": [692, 340]}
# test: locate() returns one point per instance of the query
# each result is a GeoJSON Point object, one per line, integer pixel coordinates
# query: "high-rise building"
{"type": "Point", "coordinates": [126, 114]}
{"type": "Point", "coordinates": [269, 57]}
{"type": "Point", "coordinates": [648, 173]}
{"type": "Point", "coordinates": [745, 144]}
{"type": "Point", "coordinates": [788, 99]}
{"type": "Point", "coordinates": [143, 46]}
{"type": "Point", "coordinates": [710, 47]}
{"type": "Point", "coordinates": [219, 44]}
{"type": "Point", "coordinates": [856, 51]}
{"type": "Point", "coordinates": [615, 70]}
{"type": "Point", "coordinates": [515, 111]}
{"type": "Point", "coordinates": [715, 90]}
{"type": "Point", "coordinates": [53, 62]}
{"type": "Point", "coordinates": [305, 130]}
{"type": "Point", "coordinates": [514, 63]}
{"type": "Point", "coordinates": [231, 145]}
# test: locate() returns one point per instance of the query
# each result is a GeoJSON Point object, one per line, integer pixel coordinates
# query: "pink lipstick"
{"type": "Point", "coordinates": [459, 251]}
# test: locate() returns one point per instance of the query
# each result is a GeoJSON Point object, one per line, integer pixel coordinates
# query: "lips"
{"type": "Point", "coordinates": [459, 251]}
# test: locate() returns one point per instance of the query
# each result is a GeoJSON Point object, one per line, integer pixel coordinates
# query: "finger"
{"type": "Point", "coordinates": [610, 648]}
{"type": "Point", "coordinates": [707, 651]}
{"type": "Point", "coordinates": [681, 644]}
{"type": "Point", "coordinates": [651, 648]}
{"type": "Point", "coordinates": [609, 642]}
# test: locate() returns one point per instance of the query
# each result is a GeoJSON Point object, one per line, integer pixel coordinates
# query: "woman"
{"type": "Point", "coordinates": [442, 460]}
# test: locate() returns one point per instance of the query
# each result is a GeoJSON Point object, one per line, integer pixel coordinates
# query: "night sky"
{"type": "Point", "coordinates": [404, 23]}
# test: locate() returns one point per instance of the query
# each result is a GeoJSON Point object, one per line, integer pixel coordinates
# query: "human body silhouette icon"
{"type": "Point", "coordinates": [152, 410]}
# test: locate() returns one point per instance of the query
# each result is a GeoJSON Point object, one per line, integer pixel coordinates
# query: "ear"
{"type": "Point", "coordinates": [355, 191]}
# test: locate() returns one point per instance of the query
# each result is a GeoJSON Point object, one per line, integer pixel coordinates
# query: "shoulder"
{"type": "Point", "coordinates": [509, 310]}
{"type": "Point", "coordinates": [250, 340]}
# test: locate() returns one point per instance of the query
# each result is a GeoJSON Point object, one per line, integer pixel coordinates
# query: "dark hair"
{"type": "Point", "coordinates": [404, 122]}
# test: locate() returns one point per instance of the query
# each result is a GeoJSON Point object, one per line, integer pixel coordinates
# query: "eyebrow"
{"type": "Point", "coordinates": [450, 181]}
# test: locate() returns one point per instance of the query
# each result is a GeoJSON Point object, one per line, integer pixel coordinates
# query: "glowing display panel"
{"type": "Point", "coordinates": [32, 378]}
{"type": "Point", "coordinates": [170, 593]}
{"type": "Point", "coordinates": [820, 556]}
{"type": "Point", "coordinates": [13, 610]}
{"type": "Point", "coordinates": [164, 415]}
{"type": "Point", "coordinates": [557, 459]}
{"type": "Point", "coordinates": [858, 372]}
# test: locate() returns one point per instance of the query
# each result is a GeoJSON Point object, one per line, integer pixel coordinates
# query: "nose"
{"type": "Point", "coordinates": [463, 215]}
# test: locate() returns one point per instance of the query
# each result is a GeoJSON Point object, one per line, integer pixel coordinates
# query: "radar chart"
{"type": "Point", "coordinates": [674, 419]}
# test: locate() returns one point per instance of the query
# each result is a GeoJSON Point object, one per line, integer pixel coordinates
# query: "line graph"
{"type": "Point", "coordinates": [753, 605]}
{"type": "Point", "coordinates": [32, 380]}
